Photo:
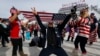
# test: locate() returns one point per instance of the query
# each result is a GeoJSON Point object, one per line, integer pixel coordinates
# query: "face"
{"type": "Point", "coordinates": [85, 12]}
{"type": "Point", "coordinates": [15, 11]}
{"type": "Point", "coordinates": [50, 24]}
{"type": "Point", "coordinates": [92, 16]}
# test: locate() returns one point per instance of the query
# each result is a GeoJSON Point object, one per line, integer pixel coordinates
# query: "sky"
{"type": "Point", "coordinates": [40, 5]}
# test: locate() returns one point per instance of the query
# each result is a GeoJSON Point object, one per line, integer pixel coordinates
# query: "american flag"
{"type": "Point", "coordinates": [58, 16]}
{"type": "Point", "coordinates": [44, 16]}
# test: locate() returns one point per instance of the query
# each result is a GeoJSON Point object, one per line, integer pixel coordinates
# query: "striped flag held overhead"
{"type": "Point", "coordinates": [44, 16]}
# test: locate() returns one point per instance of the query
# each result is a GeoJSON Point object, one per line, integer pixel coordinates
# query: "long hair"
{"type": "Point", "coordinates": [84, 12]}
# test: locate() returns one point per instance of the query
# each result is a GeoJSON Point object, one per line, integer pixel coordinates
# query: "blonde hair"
{"type": "Point", "coordinates": [84, 12]}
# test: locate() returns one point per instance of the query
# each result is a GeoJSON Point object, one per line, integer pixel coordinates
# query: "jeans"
{"type": "Point", "coordinates": [82, 41]}
{"type": "Point", "coordinates": [53, 50]}
{"type": "Point", "coordinates": [4, 39]}
{"type": "Point", "coordinates": [17, 43]}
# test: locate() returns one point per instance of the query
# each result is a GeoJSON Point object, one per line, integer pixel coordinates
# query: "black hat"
{"type": "Point", "coordinates": [92, 14]}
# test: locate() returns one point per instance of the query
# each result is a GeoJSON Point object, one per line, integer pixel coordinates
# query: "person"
{"type": "Point", "coordinates": [71, 31]}
{"type": "Point", "coordinates": [94, 28]}
{"type": "Point", "coordinates": [5, 29]}
{"type": "Point", "coordinates": [15, 33]}
{"type": "Point", "coordinates": [71, 24]}
{"type": "Point", "coordinates": [62, 32]}
{"type": "Point", "coordinates": [83, 32]}
{"type": "Point", "coordinates": [23, 31]}
{"type": "Point", "coordinates": [52, 37]}
{"type": "Point", "coordinates": [27, 32]}
{"type": "Point", "coordinates": [36, 29]}
{"type": "Point", "coordinates": [0, 29]}
{"type": "Point", "coordinates": [31, 29]}
{"type": "Point", "coordinates": [3, 32]}
{"type": "Point", "coordinates": [98, 28]}
{"type": "Point", "coordinates": [8, 28]}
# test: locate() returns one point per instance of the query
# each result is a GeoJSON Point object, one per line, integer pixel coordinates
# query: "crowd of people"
{"type": "Point", "coordinates": [85, 25]}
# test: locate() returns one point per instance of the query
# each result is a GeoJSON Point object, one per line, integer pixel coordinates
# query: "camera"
{"type": "Point", "coordinates": [73, 12]}
{"type": "Point", "coordinates": [74, 9]}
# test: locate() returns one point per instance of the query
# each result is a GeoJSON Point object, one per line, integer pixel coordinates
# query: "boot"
{"type": "Point", "coordinates": [75, 52]}
{"type": "Point", "coordinates": [90, 43]}
{"type": "Point", "coordinates": [22, 54]}
{"type": "Point", "coordinates": [68, 38]}
{"type": "Point", "coordinates": [72, 39]}
{"type": "Point", "coordinates": [13, 54]}
{"type": "Point", "coordinates": [84, 55]}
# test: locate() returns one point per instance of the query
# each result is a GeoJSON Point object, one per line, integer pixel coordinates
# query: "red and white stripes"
{"type": "Point", "coordinates": [83, 27]}
{"type": "Point", "coordinates": [44, 16]}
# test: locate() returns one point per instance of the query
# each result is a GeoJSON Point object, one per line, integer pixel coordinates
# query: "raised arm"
{"type": "Point", "coordinates": [38, 19]}
{"type": "Point", "coordinates": [65, 21]}
{"type": "Point", "coordinates": [14, 16]}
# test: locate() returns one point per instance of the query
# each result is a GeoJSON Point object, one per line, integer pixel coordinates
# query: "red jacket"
{"type": "Point", "coordinates": [15, 31]}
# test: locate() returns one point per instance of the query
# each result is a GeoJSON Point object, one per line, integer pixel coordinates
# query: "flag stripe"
{"type": "Point", "coordinates": [37, 12]}
{"type": "Point", "coordinates": [44, 16]}
{"type": "Point", "coordinates": [39, 15]}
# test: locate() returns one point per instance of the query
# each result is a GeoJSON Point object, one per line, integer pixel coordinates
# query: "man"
{"type": "Point", "coordinates": [3, 32]}
{"type": "Point", "coordinates": [52, 36]}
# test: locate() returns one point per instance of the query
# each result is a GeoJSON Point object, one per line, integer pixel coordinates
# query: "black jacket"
{"type": "Point", "coordinates": [3, 31]}
{"type": "Point", "coordinates": [59, 27]}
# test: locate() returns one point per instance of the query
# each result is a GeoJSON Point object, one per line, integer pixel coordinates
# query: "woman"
{"type": "Point", "coordinates": [94, 27]}
{"type": "Point", "coordinates": [71, 31]}
{"type": "Point", "coordinates": [83, 32]}
{"type": "Point", "coordinates": [15, 33]}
